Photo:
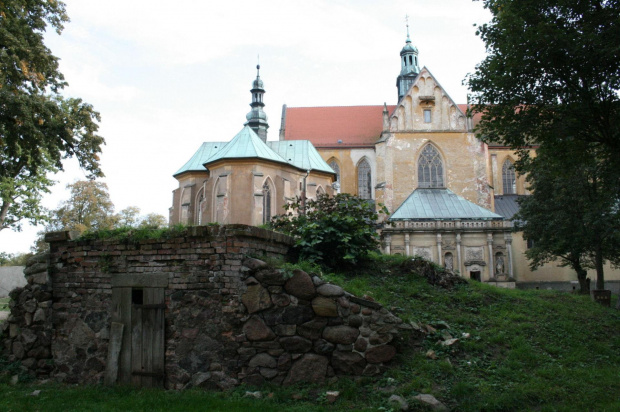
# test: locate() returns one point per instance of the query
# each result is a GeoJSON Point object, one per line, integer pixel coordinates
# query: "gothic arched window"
{"type": "Point", "coordinates": [364, 180]}
{"type": "Point", "coordinates": [266, 203]}
{"type": "Point", "coordinates": [430, 168]}
{"type": "Point", "coordinates": [509, 179]}
{"type": "Point", "coordinates": [200, 200]}
{"type": "Point", "coordinates": [334, 165]}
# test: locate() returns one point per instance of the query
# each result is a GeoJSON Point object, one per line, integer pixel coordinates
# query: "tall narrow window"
{"type": "Point", "coordinates": [334, 165]}
{"type": "Point", "coordinates": [364, 180]}
{"type": "Point", "coordinates": [199, 210]}
{"type": "Point", "coordinates": [427, 115]}
{"type": "Point", "coordinates": [509, 179]}
{"type": "Point", "coordinates": [430, 168]}
{"type": "Point", "coordinates": [266, 203]}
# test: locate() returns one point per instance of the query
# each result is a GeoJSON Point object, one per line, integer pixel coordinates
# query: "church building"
{"type": "Point", "coordinates": [247, 179]}
{"type": "Point", "coordinates": [450, 195]}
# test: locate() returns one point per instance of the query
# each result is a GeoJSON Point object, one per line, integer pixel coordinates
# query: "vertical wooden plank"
{"type": "Point", "coordinates": [122, 314]}
{"type": "Point", "coordinates": [115, 311]}
{"type": "Point", "coordinates": [148, 316]}
{"type": "Point", "coordinates": [136, 344]}
{"type": "Point", "coordinates": [114, 349]}
{"type": "Point", "coordinates": [159, 338]}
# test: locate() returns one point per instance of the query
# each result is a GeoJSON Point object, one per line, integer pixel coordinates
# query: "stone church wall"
{"type": "Point", "coordinates": [229, 318]}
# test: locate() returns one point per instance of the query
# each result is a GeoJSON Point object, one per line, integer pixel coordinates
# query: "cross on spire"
{"type": "Point", "coordinates": [407, 23]}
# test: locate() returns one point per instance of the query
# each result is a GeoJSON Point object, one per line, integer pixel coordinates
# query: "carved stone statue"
{"type": "Point", "coordinates": [499, 265]}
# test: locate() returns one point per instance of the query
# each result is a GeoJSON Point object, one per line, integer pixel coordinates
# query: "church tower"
{"type": "Point", "coordinates": [257, 119]}
{"type": "Point", "coordinates": [409, 67]}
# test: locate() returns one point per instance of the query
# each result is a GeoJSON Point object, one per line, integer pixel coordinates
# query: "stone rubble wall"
{"type": "Point", "coordinates": [229, 317]}
{"type": "Point", "coordinates": [27, 333]}
{"type": "Point", "coordinates": [301, 329]}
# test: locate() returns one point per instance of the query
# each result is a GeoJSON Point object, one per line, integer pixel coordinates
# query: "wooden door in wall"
{"type": "Point", "coordinates": [147, 337]}
{"type": "Point", "coordinates": [136, 351]}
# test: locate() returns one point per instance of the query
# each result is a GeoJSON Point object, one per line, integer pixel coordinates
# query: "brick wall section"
{"type": "Point", "coordinates": [203, 266]}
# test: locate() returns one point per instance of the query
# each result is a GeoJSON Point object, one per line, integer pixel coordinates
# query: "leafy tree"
{"type": "Point", "coordinates": [571, 215]}
{"type": "Point", "coordinates": [334, 231]}
{"type": "Point", "coordinates": [129, 216]}
{"type": "Point", "coordinates": [551, 79]}
{"type": "Point", "coordinates": [89, 207]}
{"type": "Point", "coordinates": [552, 71]}
{"type": "Point", "coordinates": [17, 259]}
{"type": "Point", "coordinates": [38, 126]}
{"type": "Point", "coordinates": [154, 221]}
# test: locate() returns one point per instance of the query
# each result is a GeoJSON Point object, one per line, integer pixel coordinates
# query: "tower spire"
{"type": "Point", "coordinates": [256, 118]}
{"type": "Point", "coordinates": [409, 65]}
{"type": "Point", "coordinates": [407, 22]}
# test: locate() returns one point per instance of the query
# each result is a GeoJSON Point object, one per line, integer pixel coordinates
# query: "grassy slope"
{"type": "Point", "coordinates": [528, 350]}
{"type": "Point", "coordinates": [4, 304]}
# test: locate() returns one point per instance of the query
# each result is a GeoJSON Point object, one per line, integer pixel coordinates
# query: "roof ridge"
{"type": "Point", "coordinates": [420, 205]}
{"type": "Point", "coordinates": [327, 107]}
{"type": "Point", "coordinates": [255, 141]}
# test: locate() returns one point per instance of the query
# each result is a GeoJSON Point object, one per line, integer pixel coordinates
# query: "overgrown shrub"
{"type": "Point", "coordinates": [335, 232]}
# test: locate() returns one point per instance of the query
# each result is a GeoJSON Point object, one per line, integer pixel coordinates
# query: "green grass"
{"type": "Point", "coordinates": [528, 350]}
{"type": "Point", "coordinates": [4, 304]}
{"type": "Point", "coordinates": [98, 398]}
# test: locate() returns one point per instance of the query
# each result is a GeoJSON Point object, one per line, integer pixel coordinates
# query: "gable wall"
{"type": "Point", "coordinates": [465, 161]}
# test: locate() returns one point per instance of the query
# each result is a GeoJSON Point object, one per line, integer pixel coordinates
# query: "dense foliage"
{"type": "Point", "coordinates": [38, 126]}
{"type": "Point", "coordinates": [573, 212]}
{"type": "Point", "coordinates": [334, 231]}
{"type": "Point", "coordinates": [551, 80]}
{"type": "Point", "coordinates": [552, 72]}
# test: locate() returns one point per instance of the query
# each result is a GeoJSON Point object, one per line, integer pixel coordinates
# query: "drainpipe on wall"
{"type": "Point", "coordinates": [303, 194]}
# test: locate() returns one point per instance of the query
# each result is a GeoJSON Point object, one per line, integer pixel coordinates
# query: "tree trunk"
{"type": "Point", "coordinates": [584, 284]}
{"type": "Point", "coordinates": [600, 276]}
{"type": "Point", "coordinates": [4, 210]}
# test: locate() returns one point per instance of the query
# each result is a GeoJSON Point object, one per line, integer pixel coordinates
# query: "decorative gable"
{"type": "Point", "coordinates": [427, 107]}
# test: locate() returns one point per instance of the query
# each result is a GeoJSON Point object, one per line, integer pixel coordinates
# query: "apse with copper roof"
{"type": "Point", "coordinates": [409, 67]}
{"type": "Point", "coordinates": [257, 118]}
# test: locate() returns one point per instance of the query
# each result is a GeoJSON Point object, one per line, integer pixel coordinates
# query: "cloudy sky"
{"type": "Point", "coordinates": [166, 76]}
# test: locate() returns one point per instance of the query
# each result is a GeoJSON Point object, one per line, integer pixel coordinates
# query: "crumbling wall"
{"type": "Point", "coordinates": [27, 333]}
{"type": "Point", "coordinates": [229, 317]}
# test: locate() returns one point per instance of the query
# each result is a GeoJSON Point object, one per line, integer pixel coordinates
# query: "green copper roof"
{"type": "Point", "coordinates": [440, 204]}
{"type": "Point", "coordinates": [246, 144]}
{"type": "Point", "coordinates": [301, 154]}
{"type": "Point", "coordinates": [205, 151]}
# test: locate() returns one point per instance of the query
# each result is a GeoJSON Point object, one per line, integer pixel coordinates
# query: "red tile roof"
{"type": "Point", "coordinates": [353, 125]}
{"type": "Point", "coordinates": [477, 116]}
{"type": "Point", "coordinates": [325, 126]}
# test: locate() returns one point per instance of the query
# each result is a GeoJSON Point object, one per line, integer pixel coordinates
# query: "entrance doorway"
{"type": "Point", "coordinates": [475, 275]}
